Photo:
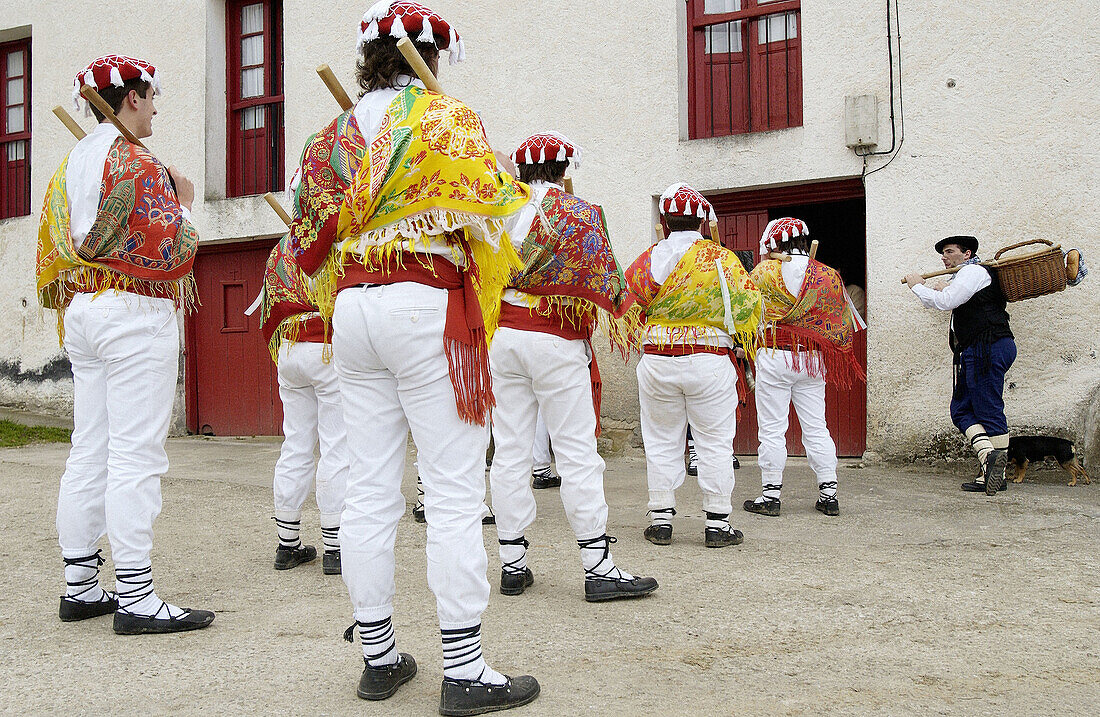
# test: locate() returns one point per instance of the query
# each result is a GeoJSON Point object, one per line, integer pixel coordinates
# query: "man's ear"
{"type": "Point", "coordinates": [132, 99]}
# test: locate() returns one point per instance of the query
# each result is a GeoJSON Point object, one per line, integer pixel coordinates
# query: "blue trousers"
{"type": "Point", "coordinates": [978, 396]}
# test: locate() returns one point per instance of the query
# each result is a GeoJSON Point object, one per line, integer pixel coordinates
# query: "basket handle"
{"type": "Point", "coordinates": [1020, 244]}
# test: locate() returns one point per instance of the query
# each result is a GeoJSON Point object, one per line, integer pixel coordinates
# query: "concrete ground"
{"type": "Point", "coordinates": [917, 599]}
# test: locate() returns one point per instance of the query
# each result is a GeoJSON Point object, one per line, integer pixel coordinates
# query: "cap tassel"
{"type": "Point", "coordinates": [529, 160]}
{"type": "Point", "coordinates": [397, 29]}
{"type": "Point", "coordinates": [672, 207]}
{"type": "Point", "coordinates": [561, 154]}
{"type": "Point", "coordinates": [427, 34]}
{"type": "Point", "coordinates": [116, 78]}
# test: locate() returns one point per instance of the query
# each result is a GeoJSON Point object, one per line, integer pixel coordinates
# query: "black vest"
{"type": "Point", "coordinates": [982, 320]}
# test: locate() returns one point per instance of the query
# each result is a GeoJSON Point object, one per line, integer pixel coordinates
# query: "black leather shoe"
{"type": "Point", "coordinates": [287, 558]}
{"type": "Point", "coordinates": [72, 610]}
{"type": "Point", "coordinates": [516, 583]}
{"type": "Point", "coordinates": [828, 506]}
{"type": "Point", "coordinates": [545, 478]}
{"type": "Point", "coordinates": [976, 487]}
{"type": "Point", "coordinates": [466, 697]}
{"type": "Point", "coordinates": [418, 513]}
{"type": "Point", "coordinates": [128, 624]}
{"type": "Point", "coordinates": [659, 534]}
{"type": "Point", "coordinates": [995, 464]}
{"type": "Point", "coordinates": [720, 537]}
{"type": "Point", "coordinates": [378, 683]}
{"type": "Point", "coordinates": [601, 589]}
{"type": "Point", "coordinates": [769, 507]}
{"type": "Point", "coordinates": [736, 463]}
{"type": "Point", "coordinates": [330, 562]}
{"type": "Point", "coordinates": [490, 519]}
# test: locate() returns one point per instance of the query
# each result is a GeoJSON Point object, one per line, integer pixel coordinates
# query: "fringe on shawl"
{"type": "Point", "coordinates": [816, 356]}
{"type": "Point", "coordinates": [624, 330]}
{"type": "Point", "coordinates": [59, 293]}
{"type": "Point", "coordinates": [746, 337]}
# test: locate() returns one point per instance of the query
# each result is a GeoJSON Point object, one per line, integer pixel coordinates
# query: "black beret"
{"type": "Point", "coordinates": [966, 242]}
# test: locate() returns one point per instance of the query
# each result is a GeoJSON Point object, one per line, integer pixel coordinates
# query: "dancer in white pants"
{"type": "Point", "coordinates": [808, 339]}
{"type": "Point", "coordinates": [411, 275]}
{"type": "Point", "coordinates": [691, 290]}
{"type": "Point", "coordinates": [542, 361]}
{"type": "Point", "coordinates": [118, 297]}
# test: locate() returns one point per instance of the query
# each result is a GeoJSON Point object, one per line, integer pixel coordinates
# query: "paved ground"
{"type": "Point", "coordinates": [917, 599]}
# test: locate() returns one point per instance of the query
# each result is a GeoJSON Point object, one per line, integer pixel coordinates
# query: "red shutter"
{"type": "Point", "coordinates": [15, 128]}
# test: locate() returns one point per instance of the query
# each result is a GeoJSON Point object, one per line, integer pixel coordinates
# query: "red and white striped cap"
{"type": "Point", "coordinates": [547, 147]}
{"type": "Point", "coordinates": [399, 18]}
{"type": "Point", "coordinates": [682, 200]}
{"type": "Point", "coordinates": [113, 70]}
{"type": "Point", "coordinates": [780, 230]}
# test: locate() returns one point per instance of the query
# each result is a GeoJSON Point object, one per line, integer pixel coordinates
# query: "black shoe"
{"type": "Point", "coordinates": [828, 506]}
{"type": "Point", "coordinates": [976, 487]}
{"type": "Point", "coordinates": [378, 683]}
{"type": "Point", "coordinates": [418, 513]}
{"type": "Point", "coordinates": [736, 463]}
{"type": "Point", "coordinates": [721, 537]}
{"type": "Point", "coordinates": [995, 464]}
{"type": "Point", "coordinates": [287, 557]}
{"type": "Point", "coordinates": [601, 589]}
{"type": "Point", "coordinates": [128, 624]}
{"type": "Point", "coordinates": [769, 506]}
{"type": "Point", "coordinates": [659, 534]}
{"type": "Point", "coordinates": [545, 478]}
{"type": "Point", "coordinates": [516, 583]}
{"type": "Point", "coordinates": [490, 519]}
{"type": "Point", "coordinates": [72, 610]}
{"type": "Point", "coordinates": [330, 562]}
{"type": "Point", "coordinates": [467, 697]}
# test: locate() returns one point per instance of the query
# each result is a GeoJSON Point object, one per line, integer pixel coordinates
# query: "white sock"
{"type": "Point", "coordinates": [661, 516]}
{"type": "Point", "coordinates": [379, 642]}
{"type": "Point", "coordinates": [136, 595]}
{"type": "Point", "coordinates": [82, 578]}
{"type": "Point", "coordinates": [330, 532]}
{"type": "Point", "coordinates": [513, 555]}
{"type": "Point", "coordinates": [718, 520]}
{"type": "Point", "coordinates": [979, 441]}
{"type": "Point", "coordinates": [289, 525]}
{"type": "Point", "coordinates": [827, 489]}
{"type": "Point", "coordinates": [419, 494]}
{"type": "Point", "coordinates": [462, 658]}
{"type": "Point", "coordinates": [597, 561]}
{"type": "Point", "coordinates": [770, 491]}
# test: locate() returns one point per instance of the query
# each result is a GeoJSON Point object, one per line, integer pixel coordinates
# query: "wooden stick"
{"type": "Point", "coordinates": [89, 93]}
{"type": "Point", "coordinates": [270, 198]}
{"type": "Point", "coordinates": [72, 125]}
{"type": "Point", "coordinates": [569, 185]}
{"type": "Point", "coordinates": [813, 249]}
{"type": "Point", "coordinates": [714, 233]}
{"type": "Point", "coordinates": [334, 86]}
{"type": "Point", "coordinates": [660, 231]}
{"type": "Point", "coordinates": [408, 49]}
{"type": "Point", "coordinates": [941, 272]}
{"type": "Point", "coordinates": [779, 256]}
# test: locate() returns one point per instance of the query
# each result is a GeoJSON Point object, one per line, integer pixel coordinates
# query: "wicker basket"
{"type": "Point", "coordinates": [1029, 275]}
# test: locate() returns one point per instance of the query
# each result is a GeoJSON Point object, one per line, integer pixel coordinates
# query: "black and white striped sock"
{"type": "Point", "coordinates": [137, 596]}
{"type": "Point", "coordinates": [513, 555]}
{"type": "Point", "coordinates": [661, 516]}
{"type": "Point", "coordinates": [769, 491]}
{"type": "Point", "coordinates": [82, 578]}
{"type": "Point", "coordinates": [289, 526]}
{"type": "Point", "coordinates": [331, 538]}
{"type": "Point", "coordinates": [597, 561]}
{"type": "Point", "coordinates": [720, 521]}
{"type": "Point", "coordinates": [462, 658]}
{"type": "Point", "coordinates": [378, 639]}
{"type": "Point", "coordinates": [827, 490]}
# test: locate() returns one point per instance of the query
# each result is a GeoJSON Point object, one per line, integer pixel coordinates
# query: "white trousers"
{"type": "Point", "coordinates": [535, 371]}
{"type": "Point", "coordinates": [312, 415]}
{"type": "Point", "coordinates": [540, 453]}
{"type": "Point", "coordinates": [700, 389]}
{"type": "Point", "coordinates": [388, 348]}
{"type": "Point", "coordinates": [125, 352]}
{"type": "Point", "coordinates": [777, 387]}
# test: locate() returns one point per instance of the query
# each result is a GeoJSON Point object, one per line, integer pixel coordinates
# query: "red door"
{"type": "Point", "coordinates": [232, 386]}
{"type": "Point", "coordinates": [740, 225]}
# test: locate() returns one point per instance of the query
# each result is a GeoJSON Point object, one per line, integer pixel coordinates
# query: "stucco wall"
{"type": "Point", "coordinates": [1003, 155]}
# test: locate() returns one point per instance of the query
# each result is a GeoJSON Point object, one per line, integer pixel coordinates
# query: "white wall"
{"type": "Point", "coordinates": [1005, 154]}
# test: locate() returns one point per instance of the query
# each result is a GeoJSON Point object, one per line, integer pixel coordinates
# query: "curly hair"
{"type": "Point", "coordinates": [552, 172]}
{"type": "Point", "coordinates": [381, 63]}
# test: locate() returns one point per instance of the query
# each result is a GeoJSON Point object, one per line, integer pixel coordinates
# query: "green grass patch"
{"type": "Point", "coordinates": [16, 434]}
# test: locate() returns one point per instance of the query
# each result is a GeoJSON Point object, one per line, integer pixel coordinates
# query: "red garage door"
{"type": "Point", "coordinates": [834, 212]}
{"type": "Point", "coordinates": [232, 388]}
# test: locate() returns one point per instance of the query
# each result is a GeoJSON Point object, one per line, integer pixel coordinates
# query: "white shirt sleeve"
{"type": "Point", "coordinates": [968, 281]}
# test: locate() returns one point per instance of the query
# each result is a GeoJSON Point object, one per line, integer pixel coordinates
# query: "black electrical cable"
{"type": "Point", "coordinates": [894, 150]}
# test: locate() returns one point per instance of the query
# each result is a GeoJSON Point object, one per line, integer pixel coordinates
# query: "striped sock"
{"type": "Point", "coordinates": [661, 516]}
{"type": "Point", "coordinates": [979, 441]}
{"type": "Point", "coordinates": [419, 494]}
{"type": "Point", "coordinates": [137, 596]}
{"type": "Point", "coordinates": [718, 520]}
{"type": "Point", "coordinates": [769, 491]}
{"type": "Point", "coordinates": [379, 641]}
{"type": "Point", "coordinates": [597, 561]}
{"type": "Point", "coordinates": [82, 578]}
{"type": "Point", "coordinates": [513, 555]}
{"type": "Point", "coordinates": [827, 489]}
{"type": "Point", "coordinates": [331, 538]}
{"type": "Point", "coordinates": [462, 658]}
{"type": "Point", "coordinates": [289, 525]}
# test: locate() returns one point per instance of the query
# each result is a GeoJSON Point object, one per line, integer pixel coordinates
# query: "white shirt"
{"type": "Point", "coordinates": [966, 282]}
{"type": "Point", "coordinates": [518, 231]}
{"type": "Point", "coordinates": [662, 260]}
{"type": "Point", "coordinates": [794, 271]}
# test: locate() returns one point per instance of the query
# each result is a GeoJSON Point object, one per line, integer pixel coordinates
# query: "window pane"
{"type": "Point", "coordinates": [15, 119]}
{"type": "Point", "coordinates": [723, 38]}
{"type": "Point", "coordinates": [252, 118]}
{"type": "Point", "coordinates": [252, 50]}
{"type": "Point", "coordinates": [716, 7]}
{"type": "Point", "coordinates": [17, 151]}
{"type": "Point", "coordinates": [777, 28]}
{"type": "Point", "coordinates": [15, 63]}
{"type": "Point", "coordinates": [252, 83]}
{"type": "Point", "coordinates": [15, 91]}
{"type": "Point", "coordinates": [252, 18]}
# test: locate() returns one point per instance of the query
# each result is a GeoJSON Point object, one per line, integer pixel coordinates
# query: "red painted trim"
{"type": "Point", "coordinates": [15, 201]}
{"type": "Point", "coordinates": [813, 193]}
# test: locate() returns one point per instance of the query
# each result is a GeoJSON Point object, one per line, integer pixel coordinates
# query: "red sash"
{"type": "Point", "coordinates": [691, 349]}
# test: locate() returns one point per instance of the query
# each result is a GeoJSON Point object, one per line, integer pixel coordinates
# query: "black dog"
{"type": "Point", "coordinates": [1025, 449]}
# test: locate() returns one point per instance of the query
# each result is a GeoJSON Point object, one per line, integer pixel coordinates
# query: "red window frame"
{"type": "Point", "coordinates": [15, 172]}
{"type": "Point", "coordinates": [255, 156]}
{"type": "Point", "coordinates": [753, 88]}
